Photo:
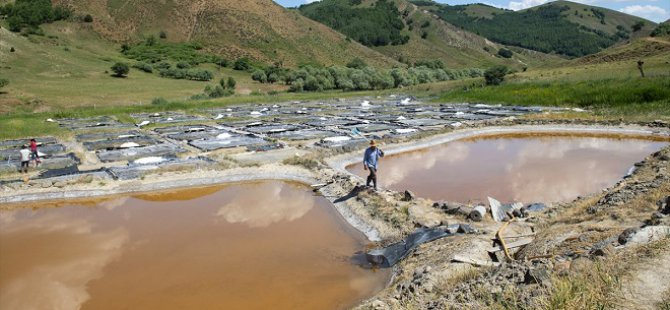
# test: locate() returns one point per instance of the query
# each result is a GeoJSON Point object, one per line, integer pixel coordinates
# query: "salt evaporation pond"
{"type": "Point", "coordinates": [260, 245]}
{"type": "Point", "coordinates": [525, 168]}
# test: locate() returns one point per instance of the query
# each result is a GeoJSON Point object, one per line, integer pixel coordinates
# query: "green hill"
{"type": "Point", "coordinates": [422, 35]}
{"type": "Point", "coordinates": [559, 27]}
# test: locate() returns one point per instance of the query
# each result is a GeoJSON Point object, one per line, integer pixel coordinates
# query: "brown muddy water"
{"type": "Point", "coordinates": [528, 168]}
{"type": "Point", "coordinates": [260, 245]}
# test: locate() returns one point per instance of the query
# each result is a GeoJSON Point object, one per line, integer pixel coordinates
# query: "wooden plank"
{"type": "Point", "coordinates": [474, 261]}
{"type": "Point", "coordinates": [511, 245]}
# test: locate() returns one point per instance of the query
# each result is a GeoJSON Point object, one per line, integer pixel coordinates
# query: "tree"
{"type": "Point", "coordinates": [88, 18]}
{"type": "Point", "coordinates": [231, 83]}
{"type": "Point", "coordinates": [120, 69]}
{"type": "Point", "coordinates": [637, 26]}
{"type": "Point", "coordinates": [242, 64]}
{"type": "Point", "coordinates": [503, 52]}
{"type": "Point", "coordinates": [151, 40]}
{"type": "Point", "coordinates": [260, 76]}
{"type": "Point", "coordinates": [357, 63]}
{"type": "Point", "coordinates": [495, 75]}
{"type": "Point", "coordinates": [4, 82]}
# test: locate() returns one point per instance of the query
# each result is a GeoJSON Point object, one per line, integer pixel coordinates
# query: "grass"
{"type": "Point", "coordinates": [647, 98]}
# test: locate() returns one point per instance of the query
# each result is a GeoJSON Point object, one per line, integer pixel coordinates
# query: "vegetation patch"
{"type": "Point", "coordinates": [32, 13]}
{"type": "Point", "coordinates": [632, 96]}
{"type": "Point", "coordinates": [542, 29]}
{"type": "Point", "coordinates": [376, 25]}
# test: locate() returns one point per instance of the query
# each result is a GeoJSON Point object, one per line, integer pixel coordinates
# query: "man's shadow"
{"type": "Point", "coordinates": [353, 193]}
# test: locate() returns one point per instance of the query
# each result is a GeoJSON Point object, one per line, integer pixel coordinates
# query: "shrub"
{"type": "Point", "coordinates": [151, 41]}
{"type": "Point", "coordinates": [260, 76]}
{"type": "Point", "coordinates": [159, 101]}
{"type": "Point", "coordinates": [162, 35]}
{"type": "Point", "coordinates": [503, 52]}
{"type": "Point", "coordinates": [12, 50]}
{"type": "Point", "coordinates": [242, 64]}
{"type": "Point", "coordinates": [222, 82]}
{"type": "Point", "coordinates": [495, 75]}
{"type": "Point", "coordinates": [88, 18]}
{"type": "Point", "coordinates": [4, 82]}
{"type": "Point", "coordinates": [637, 26]}
{"type": "Point", "coordinates": [357, 63]}
{"type": "Point", "coordinates": [163, 65]}
{"type": "Point", "coordinates": [120, 69]}
{"type": "Point", "coordinates": [231, 83]}
{"type": "Point", "coordinates": [142, 66]}
{"type": "Point", "coordinates": [221, 62]}
{"type": "Point", "coordinates": [217, 92]}
{"type": "Point", "coordinates": [183, 65]}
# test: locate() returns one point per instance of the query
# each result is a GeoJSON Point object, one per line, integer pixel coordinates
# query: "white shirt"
{"type": "Point", "coordinates": [25, 155]}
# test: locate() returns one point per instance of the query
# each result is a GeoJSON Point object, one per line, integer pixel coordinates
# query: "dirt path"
{"type": "Point", "coordinates": [648, 284]}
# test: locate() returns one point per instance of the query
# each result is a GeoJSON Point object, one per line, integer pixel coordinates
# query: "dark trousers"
{"type": "Point", "coordinates": [372, 177]}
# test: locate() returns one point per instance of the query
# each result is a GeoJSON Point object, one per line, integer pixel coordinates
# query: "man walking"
{"type": "Point", "coordinates": [25, 159]}
{"type": "Point", "coordinates": [370, 159]}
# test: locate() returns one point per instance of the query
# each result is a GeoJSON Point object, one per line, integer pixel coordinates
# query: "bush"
{"type": "Point", "coordinates": [32, 13]}
{"type": "Point", "coordinates": [88, 18]}
{"type": "Point", "coordinates": [120, 69]}
{"type": "Point", "coordinates": [231, 83]}
{"type": "Point", "coordinates": [242, 64]}
{"type": "Point", "coordinates": [12, 50]}
{"type": "Point", "coordinates": [357, 63]}
{"type": "Point", "coordinates": [151, 41]}
{"type": "Point", "coordinates": [163, 65]}
{"type": "Point", "coordinates": [221, 62]}
{"type": "Point", "coordinates": [495, 75]}
{"type": "Point", "coordinates": [162, 35]}
{"type": "Point", "coordinates": [4, 82]}
{"type": "Point", "coordinates": [260, 76]}
{"type": "Point", "coordinates": [159, 101]}
{"type": "Point", "coordinates": [192, 74]}
{"type": "Point", "coordinates": [218, 92]}
{"type": "Point", "coordinates": [142, 66]}
{"type": "Point", "coordinates": [637, 26]}
{"type": "Point", "coordinates": [222, 82]}
{"type": "Point", "coordinates": [503, 52]}
{"type": "Point", "coordinates": [183, 65]}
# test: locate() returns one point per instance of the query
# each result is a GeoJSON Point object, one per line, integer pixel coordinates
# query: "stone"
{"type": "Point", "coordinates": [626, 235]}
{"type": "Point", "coordinates": [664, 205]}
{"type": "Point", "coordinates": [539, 276]}
{"type": "Point", "coordinates": [60, 184]}
{"type": "Point", "coordinates": [604, 250]}
{"type": "Point", "coordinates": [409, 196]}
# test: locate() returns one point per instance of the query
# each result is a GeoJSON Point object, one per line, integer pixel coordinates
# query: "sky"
{"type": "Point", "coordinates": [654, 10]}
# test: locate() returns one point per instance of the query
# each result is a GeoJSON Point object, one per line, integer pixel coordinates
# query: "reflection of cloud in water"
{"type": "Point", "coordinates": [542, 169]}
{"type": "Point", "coordinates": [53, 273]}
{"type": "Point", "coordinates": [268, 203]}
{"type": "Point", "coordinates": [454, 152]}
{"type": "Point", "coordinates": [113, 203]}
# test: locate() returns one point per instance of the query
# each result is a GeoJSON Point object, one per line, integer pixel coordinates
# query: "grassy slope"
{"type": "Point", "coordinates": [43, 72]}
{"type": "Point", "coordinates": [606, 83]}
{"type": "Point", "coordinates": [258, 29]}
{"type": "Point", "coordinates": [456, 47]}
{"type": "Point", "coordinates": [612, 18]}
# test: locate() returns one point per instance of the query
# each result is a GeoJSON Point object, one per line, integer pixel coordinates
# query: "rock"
{"type": "Point", "coordinates": [664, 205]}
{"type": "Point", "coordinates": [626, 235]}
{"type": "Point", "coordinates": [539, 276]}
{"type": "Point", "coordinates": [60, 184]}
{"type": "Point", "coordinates": [409, 196]}
{"type": "Point", "coordinates": [605, 250]}
{"type": "Point", "coordinates": [649, 234]}
{"type": "Point", "coordinates": [379, 305]}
